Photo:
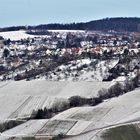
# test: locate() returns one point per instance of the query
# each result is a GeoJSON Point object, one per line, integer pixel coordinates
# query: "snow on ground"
{"type": "Point", "coordinates": [22, 106]}
{"type": "Point", "coordinates": [82, 70]}
{"type": "Point", "coordinates": [20, 99]}
{"type": "Point", "coordinates": [128, 131]}
{"type": "Point", "coordinates": [16, 35]}
{"type": "Point", "coordinates": [84, 122]}
{"type": "Point", "coordinates": [67, 31]}
{"type": "Point", "coordinates": [30, 127]}
{"type": "Point", "coordinates": [100, 72]}
{"type": "Point", "coordinates": [38, 128]}
{"type": "Point", "coordinates": [78, 127]}
{"type": "Point", "coordinates": [83, 89]}
{"type": "Point", "coordinates": [125, 108]}
{"type": "Point", "coordinates": [9, 104]}
{"type": "Point", "coordinates": [53, 89]}
{"type": "Point", "coordinates": [55, 127]}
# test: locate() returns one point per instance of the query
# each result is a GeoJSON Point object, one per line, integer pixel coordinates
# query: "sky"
{"type": "Point", "coordinates": [34, 12]}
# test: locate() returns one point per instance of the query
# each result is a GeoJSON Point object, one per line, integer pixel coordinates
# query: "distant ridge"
{"type": "Point", "coordinates": [127, 24]}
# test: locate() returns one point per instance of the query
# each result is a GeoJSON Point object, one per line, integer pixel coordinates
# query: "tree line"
{"type": "Point", "coordinates": [117, 24]}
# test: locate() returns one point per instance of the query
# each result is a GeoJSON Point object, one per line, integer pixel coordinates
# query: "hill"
{"type": "Point", "coordinates": [115, 119]}
{"type": "Point", "coordinates": [117, 24]}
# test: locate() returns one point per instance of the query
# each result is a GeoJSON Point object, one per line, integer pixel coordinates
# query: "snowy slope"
{"type": "Point", "coordinates": [53, 89]}
{"type": "Point", "coordinates": [88, 70]}
{"type": "Point", "coordinates": [123, 109]}
{"type": "Point", "coordinates": [84, 122]}
{"type": "Point", "coordinates": [20, 99]}
{"type": "Point", "coordinates": [15, 35]}
{"type": "Point", "coordinates": [18, 35]}
{"type": "Point", "coordinates": [67, 31]}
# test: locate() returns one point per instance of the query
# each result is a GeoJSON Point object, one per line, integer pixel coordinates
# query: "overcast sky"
{"type": "Point", "coordinates": [33, 12]}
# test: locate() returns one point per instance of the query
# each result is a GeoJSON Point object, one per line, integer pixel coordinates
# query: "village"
{"type": "Point", "coordinates": [53, 82]}
{"type": "Point", "coordinates": [37, 56]}
{"type": "Point", "coordinates": [69, 70]}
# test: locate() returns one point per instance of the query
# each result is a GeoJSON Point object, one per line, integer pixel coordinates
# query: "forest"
{"type": "Point", "coordinates": [116, 24]}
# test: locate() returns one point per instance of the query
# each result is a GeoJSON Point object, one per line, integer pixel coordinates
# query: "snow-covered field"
{"type": "Point", "coordinates": [18, 35]}
{"type": "Point", "coordinates": [67, 31]}
{"type": "Point", "coordinates": [116, 110]}
{"type": "Point", "coordinates": [84, 122]}
{"type": "Point", "coordinates": [15, 35]}
{"type": "Point", "coordinates": [63, 89]}
{"type": "Point", "coordinates": [20, 99]}
{"type": "Point", "coordinates": [123, 109]}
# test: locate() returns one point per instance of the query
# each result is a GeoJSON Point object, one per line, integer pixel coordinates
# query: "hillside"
{"type": "Point", "coordinates": [90, 123]}
{"type": "Point", "coordinates": [25, 97]}
{"type": "Point", "coordinates": [74, 81]}
{"type": "Point", "coordinates": [117, 24]}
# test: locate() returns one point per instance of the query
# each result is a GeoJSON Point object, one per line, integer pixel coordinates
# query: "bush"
{"type": "Point", "coordinates": [60, 105]}
{"type": "Point", "coordinates": [77, 101]}
{"type": "Point", "coordinates": [115, 90]}
{"type": "Point", "coordinates": [103, 93]}
{"type": "Point", "coordinates": [59, 136]}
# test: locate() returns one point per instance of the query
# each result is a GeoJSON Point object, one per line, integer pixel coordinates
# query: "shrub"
{"type": "Point", "coordinates": [77, 101]}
